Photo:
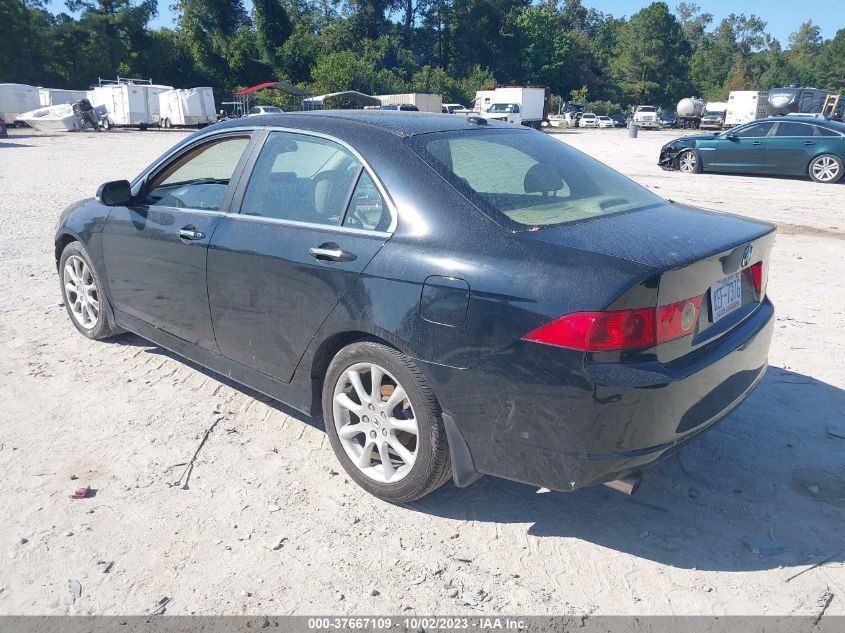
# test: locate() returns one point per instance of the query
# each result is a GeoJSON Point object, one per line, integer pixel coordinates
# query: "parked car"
{"type": "Point", "coordinates": [783, 146]}
{"type": "Point", "coordinates": [606, 121]}
{"type": "Point", "coordinates": [668, 120]}
{"type": "Point", "coordinates": [255, 110]}
{"type": "Point", "coordinates": [619, 120]}
{"type": "Point", "coordinates": [429, 287]}
{"type": "Point", "coordinates": [403, 107]}
{"type": "Point", "coordinates": [589, 119]}
{"type": "Point", "coordinates": [451, 108]}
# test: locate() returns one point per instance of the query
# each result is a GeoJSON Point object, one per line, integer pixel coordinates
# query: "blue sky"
{"type": "Point", "coordinates": [782, 21]}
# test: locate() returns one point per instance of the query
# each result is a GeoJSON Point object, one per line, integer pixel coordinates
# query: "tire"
{"type": "Point", "coordinates": [107, 124]}
{"type": "Point", "coordinates": [689, 162]}
{"type": "Point", "coordinates": [424, 465]}
{"type": "Point", "coordinates": [70, 269]}
{"type": "Point", "coordinates": [826, 169]}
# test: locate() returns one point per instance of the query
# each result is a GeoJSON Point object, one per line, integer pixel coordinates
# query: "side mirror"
{"type": "Point", "coordinates": [116, 193]}
{"type": "Point", "coordinates": [731, 137]}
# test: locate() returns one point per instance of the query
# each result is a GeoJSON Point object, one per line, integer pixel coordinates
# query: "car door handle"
{"type": "Point", "coordinates": [190, 233]}
{"type": "Point", "coordinates": [809, 142]}
{"type": "Point", "coordinates": [331, 253]}
{"type": "Point", "coordinates": [757, 142]}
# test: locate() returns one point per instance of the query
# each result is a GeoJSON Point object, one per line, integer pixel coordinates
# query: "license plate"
{"type": "Point", "coordinates": [726, 295]}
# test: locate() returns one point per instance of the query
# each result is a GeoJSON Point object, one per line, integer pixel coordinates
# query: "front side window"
{"type": "Point", "coordinates": [755, 130]}
{"type": "Point", "coordinates": [788, 128]}
{"type": "Point", "coordinates": [301, 178]}
{"type": "Point", "coordinates": [528, 180]}
{"type": "Point", "coordinates": [199, 178]}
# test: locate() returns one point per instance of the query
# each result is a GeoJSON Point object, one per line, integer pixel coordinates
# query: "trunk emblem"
{"type": "Point", "coordinates": [746, 255]}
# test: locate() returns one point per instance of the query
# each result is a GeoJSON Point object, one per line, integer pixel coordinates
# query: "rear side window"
{"type": "Point", "coordinates": [528, 179]}
{"type": "Point", "coordinates": [823, 131]}
{"type": "Point", "coordinates": [788, 128]}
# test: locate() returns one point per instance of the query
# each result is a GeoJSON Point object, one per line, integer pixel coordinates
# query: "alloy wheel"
{"type": "Point", "coordinates": [688, 162]}
{"type": "Point", "coordinates": [81, 292]}
{"type": "Point", "coordinates": [825, 169]}
{"type": "Point", "coordinates": [375, 422]}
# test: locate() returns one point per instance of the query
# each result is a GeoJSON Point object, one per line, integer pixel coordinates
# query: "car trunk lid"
{"type": "Point", "coordinates": [693, 253]}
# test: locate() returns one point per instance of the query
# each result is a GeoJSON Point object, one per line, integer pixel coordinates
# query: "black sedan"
{"type": "Point", "coordinates": [778, 146]}
{"type": "Point", "coordinates": [451, 296]}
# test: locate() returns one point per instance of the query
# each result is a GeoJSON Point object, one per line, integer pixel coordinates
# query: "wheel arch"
{"type": "Point", "coordinates": [325, 353]}
{"type": "Point", "coordinates": [62, 240]}
{"type": "Point", "coordinates": [462, 464]}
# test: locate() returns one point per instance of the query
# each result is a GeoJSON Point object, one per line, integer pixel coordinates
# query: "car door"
{"type": "Point", "coordinates": [743, 149]}
{"type": "Point", "coordinates": [310, 218]}
{"type": "Point", "coordinates": [791, 146]}
{"type": "Point", "coordinates": [155, 250]}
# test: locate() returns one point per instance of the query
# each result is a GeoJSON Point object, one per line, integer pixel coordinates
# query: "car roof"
{"type": "Point", "coordinates": [399, 123]}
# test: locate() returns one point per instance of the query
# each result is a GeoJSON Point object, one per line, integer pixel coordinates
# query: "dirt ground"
{"type": "Point", "coordinates": [270, 524]}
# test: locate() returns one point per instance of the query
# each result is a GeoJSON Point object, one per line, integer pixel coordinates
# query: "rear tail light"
{"type": "Point", "coordinates": [620, 329]}
{"type": "Point", "coordinates": [757, 277]}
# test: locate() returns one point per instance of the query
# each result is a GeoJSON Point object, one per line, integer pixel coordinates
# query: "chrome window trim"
{"type": "Point", "coordinates": [309, 225]}
{"type": "Point", "coordinates": [394, 215]}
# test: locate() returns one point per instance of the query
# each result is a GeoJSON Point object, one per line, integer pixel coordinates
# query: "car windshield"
{"type": "Point", "coordinates": [271, 109]}
{"type": "Point", "coordinates": [528, 180]}
{"type": "Point", "coordinates": [646, 109]}
{"type": "Point", "coordinates": [501, 107]}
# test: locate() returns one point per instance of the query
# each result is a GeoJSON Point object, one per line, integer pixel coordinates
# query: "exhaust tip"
{"type": "Point", "coordinates": [627, 485]}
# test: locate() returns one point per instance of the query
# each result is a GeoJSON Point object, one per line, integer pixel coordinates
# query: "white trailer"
{"type": "Point", "coordinates": [745, 106]}
{"type": "Point", "coordinates": [16, 99]}
{"type": "Point", "coordinates": [60, 96]}
{"type": "Point", "coordinates": [128, 104]}
{"type": "Point", "coordinates": [425, 102]}
{"type": "Point", "coordinates": [183, 108]}
{"type": "Point", "coordinates": [515, 104]}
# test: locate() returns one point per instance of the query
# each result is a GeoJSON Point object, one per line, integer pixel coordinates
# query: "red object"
{"type": "Point", "coordinates": [620, 329]}
{"type": "Point", "coordinates": [278, 85]}
{"type": "Point", "coordinates": [757, 274]}
{"type": "Point", "coordinates": [677, 319]}
{"type": "Point", "coordinates": [81, 493]}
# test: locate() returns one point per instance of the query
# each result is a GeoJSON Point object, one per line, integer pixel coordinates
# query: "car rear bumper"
{"type": "Point", "coordinates": [565, 431]}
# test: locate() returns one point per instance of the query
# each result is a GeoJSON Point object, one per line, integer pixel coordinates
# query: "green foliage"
{"type": "Point", "coordinates": [652, 57]}
{"type": "Point", "coordinates": [450, 47]}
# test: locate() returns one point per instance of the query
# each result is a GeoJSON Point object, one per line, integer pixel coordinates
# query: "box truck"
{"type": "Point", "coordinates": [523, 105]}
{"type": "Point", "coordinates": [714, 115]}
{"type": "Point", "coordinates": [745, 106]}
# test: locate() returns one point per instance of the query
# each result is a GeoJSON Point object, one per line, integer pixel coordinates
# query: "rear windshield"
{"type": "Point", "coordinates": [527, 179]}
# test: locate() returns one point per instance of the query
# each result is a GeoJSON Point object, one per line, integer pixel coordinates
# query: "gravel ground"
{"type": "Point", "coordinates": [270, 524]}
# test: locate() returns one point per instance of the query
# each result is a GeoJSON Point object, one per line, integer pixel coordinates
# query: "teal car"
{"type": "Point", "coordinates": [777, 146]}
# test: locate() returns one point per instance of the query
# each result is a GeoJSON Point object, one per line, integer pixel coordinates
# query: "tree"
{"type": "Point", "coordinates": [544, 47]}
{"type": "Point", "coordinates": [211, 27]}
{"type": "Point", "coordinates": [651, 63]}
{"type": "Point", "coordinates": [694, 23]}
{"type": "Point", "coordinates": [828, 68]}
{"type": "Point", "coordinates": [272, 28]}
{"type": "Point", "coordinates": [804, 45]}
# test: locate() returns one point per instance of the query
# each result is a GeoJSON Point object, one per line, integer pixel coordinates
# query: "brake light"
{"type": "Point", "coordinates": [757, 276]}
{"type": "Point", "coordinates": [620, 329]}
